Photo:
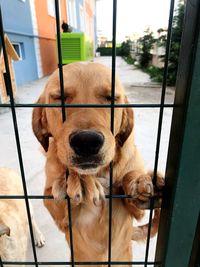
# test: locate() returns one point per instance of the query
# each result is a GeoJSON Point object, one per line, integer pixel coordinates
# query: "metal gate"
{"type": "Point", "coordinates": [178, 242]}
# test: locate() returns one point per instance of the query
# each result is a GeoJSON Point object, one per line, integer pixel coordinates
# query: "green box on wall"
{"type": "Point", "coordinates": [76, 46]}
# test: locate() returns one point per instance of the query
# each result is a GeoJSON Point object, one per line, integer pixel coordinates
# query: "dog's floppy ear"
{"type": "Point", "coordinates": [39, 124]}
{"type": "Point", "coordinates": [126, 125]}
{"type": "Point", "coordinates": [4, 229]}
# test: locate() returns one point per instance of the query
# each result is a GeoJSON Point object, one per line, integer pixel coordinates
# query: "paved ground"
{"type": "Point", "coordinates": [139, 90]}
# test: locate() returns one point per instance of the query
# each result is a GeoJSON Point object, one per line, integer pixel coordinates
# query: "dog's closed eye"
{"type": "Point", "coordinates": [109, 98]}
{"type": "Point", "coordinates": [57, 96]}
{"type": "Point", "coordinates": [60, 97]}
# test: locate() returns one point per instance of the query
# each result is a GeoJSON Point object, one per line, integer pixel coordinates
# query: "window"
{"type": "Point", "coordinates": [72, 13]}
{"type": "Point", "coordinates": [19, 48]}
{"type": "Point", "coordinates": [51, 8]}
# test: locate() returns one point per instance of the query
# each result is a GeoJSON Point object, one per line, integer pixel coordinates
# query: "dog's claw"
{"type": "Point", "coordinates": [148, 189]}
{"type": "Point", "coordinates": [74, 188]}
{"type": "Point", "coordinates": [78, 197]}
{"type": "Point", "coordinates": [145, 205]}
{"type": "Point", "coordinates": [96, 201]}
{"type": "Point", "coordinates": [39, 240]}
{"type": "Point", "coordinates": [59, 190]}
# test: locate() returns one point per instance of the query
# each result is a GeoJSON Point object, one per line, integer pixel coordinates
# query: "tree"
{"type": "Point", "coordinates": [177, 28]}
{"type": "Point", "coordinates": [145, 44]}
{"type": "Point", "coordinates": [125, 48]}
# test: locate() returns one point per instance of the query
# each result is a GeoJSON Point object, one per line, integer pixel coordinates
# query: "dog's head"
{"type": "Point", "coordinates": [84, 141]}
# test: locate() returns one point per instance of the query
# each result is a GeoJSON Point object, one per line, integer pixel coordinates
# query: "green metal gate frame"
{"type": "Point", "coordinates": [179, 234]}
{"type": "Point", "coordinates": [178, 240]}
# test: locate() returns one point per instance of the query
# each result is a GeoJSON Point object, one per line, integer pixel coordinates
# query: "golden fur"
{"type": "Point", "coordinates": [91, 84]}
{"type": "Point", "coordinates": [13, 220]}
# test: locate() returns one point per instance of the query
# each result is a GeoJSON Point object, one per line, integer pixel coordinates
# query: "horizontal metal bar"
{"type": "Point", "coordinates": [150, 205]}
{"type": "Point", "coordinates": [83, 263]}
{"type": "Point", "coordinates": [89, 105]}
{"type": "Point", "coordinates": [51, 197]}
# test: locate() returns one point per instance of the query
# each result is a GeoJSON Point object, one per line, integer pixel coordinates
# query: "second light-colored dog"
{"type": "Point", "coordinates": [14, 230]}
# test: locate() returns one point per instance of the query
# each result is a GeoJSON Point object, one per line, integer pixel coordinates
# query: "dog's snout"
{"type": "Point", "coordinates": [86, 142]}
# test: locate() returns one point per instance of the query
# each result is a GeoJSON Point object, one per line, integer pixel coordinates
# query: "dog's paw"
{"type": "Point", "coordinates": [59, 190]}
{"type": "Point", "coordinates": [141, 189]}
{"type": "Point", "coordinates": [39, 240]}
{"type": "Point", "coordinates": [74, 188]}
{"type": "Point", "coordinates": [138, 187]}
{"type": "Point", "coordinates": [93, 190]}
{"type": "Point", "coordinates": [84, 188]}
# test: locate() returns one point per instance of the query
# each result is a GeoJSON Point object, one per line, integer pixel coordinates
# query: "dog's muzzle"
{"type": "Point", "coordinates": [86, 144]}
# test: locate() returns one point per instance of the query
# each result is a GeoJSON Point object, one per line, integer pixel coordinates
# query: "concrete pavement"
{"type": "Point", "coordinates": [140, 90]}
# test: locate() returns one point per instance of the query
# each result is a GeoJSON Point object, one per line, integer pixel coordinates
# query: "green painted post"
{"type": "Point", "coordinates": [181, 204]}
{"type": "Point", "coordinates": [186, 208]}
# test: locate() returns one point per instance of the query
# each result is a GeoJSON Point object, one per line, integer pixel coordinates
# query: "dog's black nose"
{"type": "Point", "coordinates": [86, 142]}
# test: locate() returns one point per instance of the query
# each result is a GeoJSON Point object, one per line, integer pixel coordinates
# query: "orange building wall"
{"type": "Point", "coordinates": [47, 34]}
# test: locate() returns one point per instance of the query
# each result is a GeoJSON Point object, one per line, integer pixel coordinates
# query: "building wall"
{"type": "Point", "coordinates": [18, 25]}
{"type": "Point", "coordinates": [30, 24]}
{"type": "Point", "coordinates": [47, 33]}
{"type": "Point", "coordinates": [85, 16]}
{"type": "Point", "coordinates": [95, 28]}
{"type": "Point", "coordinates": [47, 26]}
{"type": "Point", "coordinates": [25, 69]}
{"type": "Point", "coordinates": [89, 7]}
{"type": "Point", "coordinates": [36, 39]}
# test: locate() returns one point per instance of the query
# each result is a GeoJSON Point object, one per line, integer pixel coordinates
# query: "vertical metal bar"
{"type": "Point", "coordinates": [162, 101]}
{"type": "Point", "coordinates": [112, 125]}
{"type": "Point", "coordinates": [182, 199]}
{"type": "Point", "coordinates": [63, 115]}
{"type": "Point", "coordinates": [1, 263]}
{"type": "Point", "coordinates": [113, 64]}
{"type": "Point", "coordinates": [59, 50]}
{"type": "Point", "coordinates": [17, 137]}
{"type": "Point", "coordinates": [70, 231]}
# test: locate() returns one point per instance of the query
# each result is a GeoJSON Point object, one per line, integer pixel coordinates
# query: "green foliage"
{"type": "Point", "coordinates": [125, 49]}
{"type": "Point", "coordinates": [145, 44]}
{"type": "Point", "coordinates": [122, 50]}
{"type": "Point", "coordinates": [107, 51]}
{"type": "Point", "coordinates": [161, 41]}
{"type": "Point", "coordinates": [129, 60]}
{"type": "Point", "coordinates": [175, 43]}
{"type": "Point", "coordinates": [156, 74]}
{"type": "Point", "coordinates": [125, 52]}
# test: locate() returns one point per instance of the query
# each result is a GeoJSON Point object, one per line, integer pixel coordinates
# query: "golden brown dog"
{"type": "Point", "coordinates": [13, 220]}
{"type": "Point", "coordinates": [83, 147]}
